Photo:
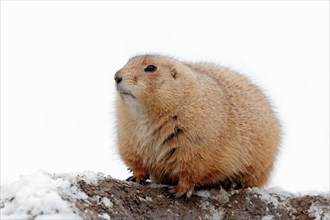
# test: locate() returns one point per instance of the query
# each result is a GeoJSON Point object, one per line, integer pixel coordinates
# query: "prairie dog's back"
{"type": "Point", "coordinates": [252, 116]}
{"type": "Point", "coordinates": [245, 98]}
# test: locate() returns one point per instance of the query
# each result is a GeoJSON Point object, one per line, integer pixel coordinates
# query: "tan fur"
{"type": "Point", "coordinates": [193, 124]}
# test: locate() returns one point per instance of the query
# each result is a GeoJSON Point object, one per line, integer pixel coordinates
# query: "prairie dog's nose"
{"type": "Point", "coordinates": [118, 79]}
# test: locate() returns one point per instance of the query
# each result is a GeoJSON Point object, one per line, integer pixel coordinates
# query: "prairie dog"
{"type": "Point", "coordinates": [193, 124]}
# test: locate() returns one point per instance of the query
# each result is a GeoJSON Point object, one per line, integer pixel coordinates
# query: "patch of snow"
{"type": "Point", "coordinates": [313, 193]}
{"type": "Point", "coordinates": [89, 177]}
{"type": "Point", "coordinates": [220, 195]}
{"type": "Point", "coordinates": [266, 197]}
{"type": "Point", "coordinates": [203, 193]}
{"type": "Point", "coordinates": [104, 216]}
{"type": "Point", "coordinates": [37, 196]}
{"type": "Point", "coordinates": [319, 211]}
{"type": "Point", "coordinates": [148, 198]}
{"type": "Point", "coordinates": [73, 191]}
{"type": "Point", "coordinates": [269, 199]}
{"type": "Point", "coordinates": [45, 196]}
{"type": "Point", "coordinates": [107, 202]}
{"type": "Point", "coordinates": [56, 216]}
{"type": "Point", "coordinates": [268, 217]}
{"type": "Point", "coordinates": [278, 191]}
{"type": "Point", "coordinates": [215, 213]}
{"type": "Point", "coordinates": [276, 197]}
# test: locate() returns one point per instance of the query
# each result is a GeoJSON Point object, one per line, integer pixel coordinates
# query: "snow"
{"type": "Point", "coordinates": [105, 216]}
{"type": "Point", "coordinates": [220, 195]}
{"type": "Point", "coordinates": [215, 213]}
{"type": "Point", "coordinates": [40, 196]}
{"type": "Point", "coordinates": [267, 217]}
{"type": "Point", "coordinates": [273, 196]}
{"type": "Point", "coordinates": [269, 199]}
{"type": "Point", "coordinates": [320, 211]}
{"type": "Point", "coordinates": [107, 202]}
{"type": "Point", "coordinates": [203, 193]}
{"type": "Point", "coordinates": [148, 198]}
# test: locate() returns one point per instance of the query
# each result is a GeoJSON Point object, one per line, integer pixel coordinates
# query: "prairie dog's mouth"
{"type": "Point", "coordinates": [124, 92]}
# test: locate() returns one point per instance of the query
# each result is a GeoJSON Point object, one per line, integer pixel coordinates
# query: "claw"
{"type": "Point", "coordinates": [141, 181]}
{"type": "Point", "coordinates": [131, 179]}
{"type": "Point", "coordinates": [173, 191]}
{"type": "Point", "coordinates": [231, 185]}
{"type": "Point", "coordinates": [189, 193]}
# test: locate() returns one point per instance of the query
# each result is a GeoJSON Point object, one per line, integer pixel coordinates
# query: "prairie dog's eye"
{"type": "Point", "coordinates": [150, 68]}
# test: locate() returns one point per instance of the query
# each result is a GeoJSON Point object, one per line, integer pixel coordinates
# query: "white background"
{"type": "Point", "coordinates": [58, 61]}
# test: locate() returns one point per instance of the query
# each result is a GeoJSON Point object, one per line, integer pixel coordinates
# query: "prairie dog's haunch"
{"type": "Point", "coordinates": [193, 124]}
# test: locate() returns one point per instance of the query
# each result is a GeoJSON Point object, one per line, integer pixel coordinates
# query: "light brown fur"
{"type": "Point", "coordinates": [193, 124]}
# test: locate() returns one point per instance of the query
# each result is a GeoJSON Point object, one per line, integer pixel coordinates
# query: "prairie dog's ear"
{"type": "Point", "coordinates": [173, 72]}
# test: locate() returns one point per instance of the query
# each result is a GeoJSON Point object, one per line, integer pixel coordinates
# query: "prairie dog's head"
{"type": "Point", "coordinates": [154, 82]}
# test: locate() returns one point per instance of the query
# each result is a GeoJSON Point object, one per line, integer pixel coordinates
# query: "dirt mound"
{"type": "Point", "coordinates": [124, 200]}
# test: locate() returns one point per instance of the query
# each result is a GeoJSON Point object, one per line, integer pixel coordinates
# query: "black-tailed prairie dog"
{"type": "Point", "coordinates": [193, 124]}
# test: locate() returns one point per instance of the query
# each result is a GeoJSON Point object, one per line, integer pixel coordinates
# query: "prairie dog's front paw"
{"type": "Point", "coordinates": [139, 175]}
{"type": "Point", "coordinates": [140, 180]}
